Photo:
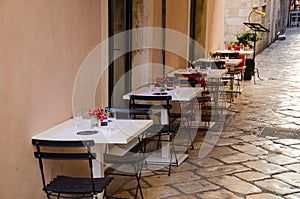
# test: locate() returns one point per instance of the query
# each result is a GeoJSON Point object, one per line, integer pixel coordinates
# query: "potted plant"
{"type": "Point", "coordinates": [246, 38]}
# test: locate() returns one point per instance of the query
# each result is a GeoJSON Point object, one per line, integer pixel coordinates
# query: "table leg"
{"type": "Point", "coordinates": [232, 78]}
{"type": "Point", "coordinates": [165, 153]}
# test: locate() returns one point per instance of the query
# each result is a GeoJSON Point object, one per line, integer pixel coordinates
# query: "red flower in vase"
{"type": "Point", "coordinates": [100, 114]}
{"type": "Point", "coordinates": [162, 80]}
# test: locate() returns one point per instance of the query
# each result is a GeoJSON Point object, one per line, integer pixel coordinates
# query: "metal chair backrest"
{"type": "Point", "coordinates": [124, 113]}
{"type": "Point", "coordinates": [151, 102]}
{"type": "Point", "coordinates": [44, 150]}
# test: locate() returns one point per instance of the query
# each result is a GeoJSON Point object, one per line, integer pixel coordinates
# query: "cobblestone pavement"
{"type": "Point", "coordinates": [242, 164]}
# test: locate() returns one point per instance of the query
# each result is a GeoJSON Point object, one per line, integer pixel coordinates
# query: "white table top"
{"type": "Point", "coordinates": [241, 52]}
{"type": "Point", "coordinates": [124, 132]}
{"type": "Point", "coordinates": [179, 94]}
{"type": "Point", "coordinates": [213, 73]}
{"type": "Point", "coordinates": [233, 62]}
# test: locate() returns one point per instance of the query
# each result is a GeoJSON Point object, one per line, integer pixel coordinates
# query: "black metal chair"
{"type": "Point", "coordinates": [66, 186]}
{"type": "Point", "coordinates": [135, 160]}
{"type": "Point", "coordinates": [160, 103]}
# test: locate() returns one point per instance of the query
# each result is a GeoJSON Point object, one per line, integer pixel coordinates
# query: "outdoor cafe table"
{"type": "Point", "coordinates": [232, 63]}
{"type": "Point", "coordinates": [184, 94]}
{"type": "Point", "coordinates": [123, 132]}
{"type": "Point", "coordinates": [240, 52]}
{"type": "Point", "coordinates": [204, 73]}
{"type": "Point", "coordinates": [214, 74]}
{"type": "Point", "coordinates": [181, 94]}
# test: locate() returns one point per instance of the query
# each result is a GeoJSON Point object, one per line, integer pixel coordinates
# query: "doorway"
{"type": "Point", "coordinates": [120, 20]}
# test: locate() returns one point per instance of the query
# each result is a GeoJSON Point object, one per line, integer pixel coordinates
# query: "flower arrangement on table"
{"type": "Point", "coordinates": [98, 115]}
{"type": "Point", "coordinates": [162, 82]}
{"type": "Point", "coordinates": [197, 64]}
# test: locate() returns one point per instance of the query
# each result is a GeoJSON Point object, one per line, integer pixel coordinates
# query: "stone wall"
{"type": "Point", "coordinates": [237, 11]}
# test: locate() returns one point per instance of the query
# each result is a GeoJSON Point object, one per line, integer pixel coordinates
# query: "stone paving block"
{"type": "Point", "coordinates": [281, 159]}
{"type": "Point", "coordinates": [235, 184]}
{"type": "Point", "coordinates": [206, 162]}
{"type": "Point", "coordinates": [261, 142]}
{"type": "Point", "coordinates": [194, 154]}
{"type": "Point", "coordinates": [282, 149]}
{"type": "Point", "coordinates": [227, 134]}
{"type": "Point", "coordinates": [182, 196]}
{"type": "Point", "coordinates": [176, 177]}
{"type": "Point", "coordinates": [123, 194]}
{"type": "Point", "coordinates": [197, 145]}
{"type": "Point", "coordinates": [250, 149]}
{"type": "Point", "coordinates": [287, 141]}
{"type": "Point", "coordinates": [252, 176]}
{"type": "Point", "coordinates": [185, 166]}
{"type": "Point", "coordinates": [222, 150]}
{"type": "Point", "coordinates": [219, 194]}
{"type": "Point", "coordinates": [221, 170]}
{"type": "Point", "coordinates": [195, 186]}
{"type": "Point", "coordinates": [294, 167]}
{"type": "Point", "coordinates": [235, 158]}
{"type": "Point", "coordinates": [263, 196]}
{"type": "Point", "coordinates": [296, 146]}
{"type": "Point", "coordinates": [251, 138]}
{"type": "Point", "coordinates": [131, 183]}
{"type": "Point", "coordinates": [293, 196]}
{"type": "Point", "coordinates": [227, 141]}
{"type": "Point", "coordinates": [265, 167]}
{"type": "Point", "coordinates": [289, 177]}
{"type": "Point", "coordinates": [277, 186]}
{"type": "Point", "coordinates": [159, 192]}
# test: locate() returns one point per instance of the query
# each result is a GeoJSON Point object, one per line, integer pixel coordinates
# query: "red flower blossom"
{"type": "Point", "coordinates": [100, 114]}
{"type": "Point", "coordinates": [162, 80]}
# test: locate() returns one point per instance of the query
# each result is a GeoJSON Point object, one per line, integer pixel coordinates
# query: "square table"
{"type": "Point", "coordinates": [204, 73]}
{"type": "Point", "coordinates": [123, 132]}
{"type": "Point", "coordinates": [181, 94]}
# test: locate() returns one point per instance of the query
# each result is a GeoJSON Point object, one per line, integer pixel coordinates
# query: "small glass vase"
{"type": "Point", "coordinates": [94, 122]}
{"type": "Point", "coordinates": [163, 87]}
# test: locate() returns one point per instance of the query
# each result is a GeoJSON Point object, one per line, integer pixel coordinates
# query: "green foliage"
{"type": "Point", "coordinates": [246, 38]}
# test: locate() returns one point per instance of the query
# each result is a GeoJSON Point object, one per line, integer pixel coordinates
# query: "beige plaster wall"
{"type": "Point", "coordinates": [177, 19]}
{"type": "Point", "coordinates": [215, 25]}
{"type": "Point", "coordinates": [148, 13]}
{"type": "Point", "coordinates": [43, 43]}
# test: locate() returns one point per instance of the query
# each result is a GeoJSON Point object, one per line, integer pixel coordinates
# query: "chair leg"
{"type": "Point", "coordinates": [141, 145]}
{"type": "Point", "coordinates": [48, 195]}
{"type": "Point", "coordinates": [171, 158]}
{"type": "Point", "coordinates": [207, 118]}
{"type": "Point", "coordinates": [190, 140]}
{"type": "Point", "coordinates": [190, 126]}
{"type": "Point", "coordinates": [138, 175]}
{"type": "Point", "coordinates": [158, 141]}
{"type": "Point", "coordinates": [96, 197]}
{"type": "Point", "coordinates": [170, 164]}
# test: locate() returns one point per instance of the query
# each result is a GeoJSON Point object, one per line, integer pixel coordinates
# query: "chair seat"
{"type": "Point", "coordinates": [126, 159]}
{"type": "Point", "coordinates": [204, 99]}
{"type": "Point", "coordinates": [157, 129]}
{"type": "Point", "coordinates": [74, 185]}
{"type": "Point", "coordinates": [180, 115]}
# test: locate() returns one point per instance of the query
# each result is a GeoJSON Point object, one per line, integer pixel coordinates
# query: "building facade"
{"type": "Point", "coordinates": [44, 43]}
{"type": "Point", "coordinates": [237, 12]}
